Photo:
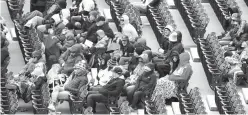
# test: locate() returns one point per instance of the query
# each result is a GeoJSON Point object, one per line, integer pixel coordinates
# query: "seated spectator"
{"type": "Point", "coordinates": [128, 29]}
{"type": "Point", "coordinates": [30, 66]}
{"type": "Point", "coordinates": [86, 6]}
{"type": "Point", "coordinates": [175, 43]}
{"type": "Point", "coordinates": [69, 58]}
{"type": "Point", "coordinates": [244, 32]}
{"type": "Point", "coordinates": [77, 79]}
{"type": "Point", "coordinates": [131, 81]}
{"type": "Point", "coordinates": [164, 42]}
{"type": "Point", "coordinates": [135, 59]}
{"type": "Point", "coordinates": [103, 40]}
{"type": "Point", "coordinates": [167, 86]}
{"type": "Point", "coordinates": [82, 24]}
{"type": "Point", "coordinates": [244, 53]}
{"type": "Point", "coordinates": [144, 85]}
{"type": "Point", "coordinates": [126, 48]}
{"type": "Point", "coordinates": [112, 88]}
{"type": "Point", "coordinates": [168, 65]}
{"type": "Point", "coordinates": [141, 42]}
{"type": "Point", "coordinates": [100, 24]}
{"type": "Point", "coordinates": [105, 75]}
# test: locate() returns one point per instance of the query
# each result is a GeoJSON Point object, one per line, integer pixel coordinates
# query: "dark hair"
{"type": "Point", "coordinates": [179, 36]}
{"type": "Point", "coordinates": [100, 18]}
{"type": "Point", "coordinates": [228, 53]}
{"type": "Point", "coordinates": [70, 26]}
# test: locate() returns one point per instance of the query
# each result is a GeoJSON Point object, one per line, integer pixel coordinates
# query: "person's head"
{"type": "Point", "coordinates": [184, 58]}
{"type": "Point", "coordinates": [62, 4]}
{"type": "Point", "coordinates": [36, 55]}
{"type": "Point", "coordinates": [245, 45]}
{"type": "Point", "coordinates": [100, 34]}
{"type": "Point", "coordinates": [124, 40]}
{"type": "Point", "coordinates": [100, 21]}
{"type": "Point", "coordinates": [149, 67]}
{"type": "Point", "coordinates": [93, 15]}
{"type": "Point", "coordinates": [69, 26]}
{"type": "Point", "coordinates": [175, 56]}
{"type": "Point", "coordinates": [80, 68]}
{"type": "Point", "coordinates": [139, 50]}
{"type": "Point", "coordinates": [141, 42]}
{"type": "Point", "coordinates": [175, 36]}
{"type": "Point", "coordinates": [167, 30]}
{"type": "Point", "coordinates": [235, 19]}
{"type": "Point", "coordinates": [117, 72]}
{"type": "Point", "coordinates": [144, 58]}
{"type": "Point", "coordinates": [112, 62]}
{"type": "Point", "coordinates": [124, 20]}
{"type": "Point", "coordinates": [74, 50]}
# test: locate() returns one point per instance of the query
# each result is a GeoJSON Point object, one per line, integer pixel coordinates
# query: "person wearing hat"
{"type": "Point", "coordinates": [128, 29]}
{"type": "Point", "coordinates": [175, 44]}
{"type": "Point", "coordinates": [144, 85]}
{"type": "Point", "coordinates": [164, 41]}
{"type": "Point", "coordinates": [105, 75]}
{"type": "Point", "coordinates": [69, 58]}
{"type": "Point", "coordinates": [126, 48]}
{"type": "Point", "coordinates": [78, 78]}
{"type": "Point", "coordinates": [112, 88]}
{"type": "Point", "coordinates": [100, 24]}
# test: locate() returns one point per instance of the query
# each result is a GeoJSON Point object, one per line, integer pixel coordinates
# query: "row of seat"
{"type": "Point", "coordinates": [15, 7]}
{"type": "Point", "coordinates": [118, 8]}
{"type": "Point", "coordinates": [28, 40]}
{"type": "Point", "coordinates": [221, 9]}
{"type": "Point", "coordinates": [194, 16]}
{"type": "Point", "coordinates": [191, 103]}
{"type": "Point", "coordinates": [156, 105]}
{"type": "Point", "coordinates": [9, 99]}
{"type": "Point", "coordinates": [40, 99]}
{"type": "Point", "coordinates": [213, 61]}
{"type": "Point", "coordinates": [228, 100]}
{"type": "Point", "coordinates": [159, 17]}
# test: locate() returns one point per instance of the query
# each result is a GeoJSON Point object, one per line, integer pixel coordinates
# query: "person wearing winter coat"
{"type": "Point", "coordinates": [128, 29]}
{"type": "Point", "coordinates": [69, 58]}
{"type": "Point", "coordinates": [144, 85]}
{"type": "Point", "coordinates": [141, 42]}
{"type": "Point", "coordinates": [164, 42]}
{"type": "Point", "coordinates": [175, 44]}
{"type": "Point", "coordinates": [144, 58]}
{"type": "Point", "coordinates": [100, 24]}
{"type": "Point", "coordinates": [135, 59]}
{"type": "Point", "coordinates": [112, 88]}
{"type": "Point", "coordinates": [167, 86]}
{"type": "Point", "coordinates": [78, 78]}
{"type": "Point", "coordinates": [126, 48]}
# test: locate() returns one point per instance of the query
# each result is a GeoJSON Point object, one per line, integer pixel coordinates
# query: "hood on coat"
{"type": "Point", "coordinates": [149, 53]}
{"type": "Point", "coordinates": [140, 43]}
{"type": "Point", "coordinates": [125, 19]}
{"type": "Point", "coordinates": [184, 58]}
{"type": "Point", "coordinates": [75, 48]}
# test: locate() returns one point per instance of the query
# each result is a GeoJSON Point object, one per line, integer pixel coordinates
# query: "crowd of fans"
{"type": "Point", "coordinates": [76, 40]}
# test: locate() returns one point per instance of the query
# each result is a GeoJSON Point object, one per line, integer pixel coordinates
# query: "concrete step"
{"type": "Point", "coordinates": [175, 108]}
{"type": "Point", "coordinates": [211, 103]}
{"type": "Point", "coordinates": [194, 54]}
{"type": "Point", "coordinates": [13, 34]}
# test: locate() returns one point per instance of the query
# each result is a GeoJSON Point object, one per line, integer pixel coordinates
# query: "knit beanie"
{"type": "Point", "coordinates": [81, 65]}
{"type": "Point", "coordinates": [70, 26]}
{"type": "Point", "coordinates": [62, 4]}
{"type": "Point", "coordinates": [112, 62]}
{"type": "Point", "coordinates": [117, 70]}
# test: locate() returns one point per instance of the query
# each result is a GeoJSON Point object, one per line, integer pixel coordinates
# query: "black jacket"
{"type": "Point", "coordinates": [113, 87]}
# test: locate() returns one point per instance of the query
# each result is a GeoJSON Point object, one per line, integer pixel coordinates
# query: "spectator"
{"type": "Point", "coordinates": [244, 32]}
{"type": "Point", "coordinates": [69, 58]}
{"type": "Point", "coordinates": [86, 6]}
{"type": "Point", "coordinates": [166, 86]}
{"type": "Point", "coordinates": [112, 88]}
{"type": "Point", "coordinates": [102, 39]}
{"type": "Point", "coordinates": [143, 7]}
{"type": "Point", "coordinates": [144, 86]}
{"type": "Point", "coordinates": [244, 53]}
{"type": "Point", "coordinates": [81, 23]}
{"type": "Point", "coordinates": [164, 42]}
{"type": "Point", "coordinates": [128, 29]}
{"type": "Point", "coordinates": [175, 44]}
{"type": "Point", "coordinates": [131, 81]}
{"type": "Point", "coordinates": [135, 59]}
{"type": "Point", "coordinates": [100, 24]}
{"type": "Point", "coordinates": [77, 79]}
{"type": "Point", "coordinates": [126, 48]}
{"type": "Point", "coordinates": [141, 42]}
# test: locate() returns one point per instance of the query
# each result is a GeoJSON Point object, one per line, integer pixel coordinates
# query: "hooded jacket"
{"type": "Point", "coordinates": [129, 30]}
{"type": "Point", "coordinates": [126, 50]}
{"type": "Point", "coordinates": [70, 61]}
{"type": "Point", "coordinates": [141, 42]}
{"type": "Point", "coordinates": [176, 46]}
{"type": "Point", "coordinates": [92, 36]}
{"type": "Point", "coordinates": [184, 69]}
